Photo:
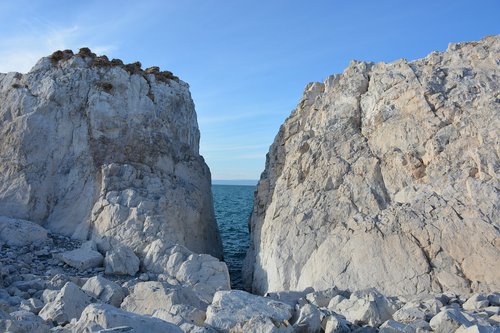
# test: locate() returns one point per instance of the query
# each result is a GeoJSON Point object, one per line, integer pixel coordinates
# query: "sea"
{"type": "Point", "coordinates": [233, 206]}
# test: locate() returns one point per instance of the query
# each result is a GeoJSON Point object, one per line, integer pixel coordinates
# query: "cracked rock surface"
{"type": "Point", "coordinates": [92, 148]}
{"type": "Point", "coordinates": [386, 176]}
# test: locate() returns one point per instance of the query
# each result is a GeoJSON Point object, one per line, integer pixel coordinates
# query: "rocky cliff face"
{"type": "Point", "coordinates": [386, 176]}
{"type": "Point", "coordinates": [96, 149]}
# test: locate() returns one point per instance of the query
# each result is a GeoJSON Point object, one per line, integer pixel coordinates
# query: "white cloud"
{"type": "Point", "coordinates": [38, 39]}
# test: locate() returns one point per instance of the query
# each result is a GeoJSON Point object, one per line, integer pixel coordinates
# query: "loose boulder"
{"type": "Point", "coordinates": [68, 304]}
{"type": "Point", "coordinates": [104, 290]}
{"type": "Point", "coordinates": [17, 232]}
{"type": "Point", "coordinates": [232, 309]}
{"type": "Point", "coordinates": [109, 317]}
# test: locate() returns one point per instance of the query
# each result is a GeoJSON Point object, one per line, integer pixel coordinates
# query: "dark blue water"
{"type": "Point", "coordinates": [233, 205]}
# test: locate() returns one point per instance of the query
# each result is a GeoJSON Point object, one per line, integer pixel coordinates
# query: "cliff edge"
{"type": "Point", "coordinates": [386, 176]}
{"type": "Point", "coordinates": [93, 148]}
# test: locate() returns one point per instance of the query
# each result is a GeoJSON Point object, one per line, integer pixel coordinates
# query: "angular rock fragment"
{"type": "Point", "coordinates": [104, 290]}
{"type": "Point", "coordinates": [68, 304]}
{"type": "Point", "coordinates": [235, 308]}
{"type": "Point", "coordinates": [121, 260]}
{"type": "Point", "coordinates": [83, 258]}
{"type": "Point", "coordinates": [107, 317]}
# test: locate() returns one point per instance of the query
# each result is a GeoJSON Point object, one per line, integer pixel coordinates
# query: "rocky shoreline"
{"type": "Point", "coordinates": [377, 211]}
{"type": "Point", "coordinates": [42, 291]}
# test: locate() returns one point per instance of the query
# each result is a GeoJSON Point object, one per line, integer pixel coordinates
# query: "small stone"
{"type": "Point", "coordinates": [144, 277]}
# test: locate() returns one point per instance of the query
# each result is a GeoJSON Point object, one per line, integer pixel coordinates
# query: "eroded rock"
{"type": "Point", "coordinates": [384, 176]}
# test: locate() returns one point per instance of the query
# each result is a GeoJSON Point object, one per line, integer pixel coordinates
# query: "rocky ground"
{"type": "Point", "coordinates": [51, 283]}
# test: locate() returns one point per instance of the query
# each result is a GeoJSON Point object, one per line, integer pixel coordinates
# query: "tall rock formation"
{"type": "Point", "coordinates": [386, 176]}
{"type": "Point", "coordinates": [93, 148]}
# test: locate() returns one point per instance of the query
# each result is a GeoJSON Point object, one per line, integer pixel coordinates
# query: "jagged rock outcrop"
{"type": "Point", "coordinates": [386, 176]}
{"type": "Point", "coordinates": [93, 148]}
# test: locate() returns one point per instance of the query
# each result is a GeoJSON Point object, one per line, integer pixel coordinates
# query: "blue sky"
{"type": "Point", "coordinates": [247, 62]}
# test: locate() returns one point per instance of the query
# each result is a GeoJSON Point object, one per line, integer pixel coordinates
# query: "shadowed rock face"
{"type": "Point", "coordinates": [92, 148]}
{"type": "Point", "coordinates": [386, 176]}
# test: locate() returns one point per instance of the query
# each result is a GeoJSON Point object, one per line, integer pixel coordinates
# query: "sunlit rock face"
{"type": "Point", "coordinates": [386, 176]}
{"type": "Point", "coordinates": [93, 148]}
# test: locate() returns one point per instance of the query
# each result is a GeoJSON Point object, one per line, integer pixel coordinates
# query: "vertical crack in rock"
{"type": "Point", "coordinates": [397, 144]}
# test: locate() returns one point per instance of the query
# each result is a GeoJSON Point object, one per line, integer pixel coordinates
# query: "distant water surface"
{"type": "Point", "coordinates": [233, 205]}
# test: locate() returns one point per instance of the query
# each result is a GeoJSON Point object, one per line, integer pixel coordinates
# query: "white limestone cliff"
{"type": "Point", "coordinates": [93, 148]}
{"type": "Point", "coordinates": [386, 176]}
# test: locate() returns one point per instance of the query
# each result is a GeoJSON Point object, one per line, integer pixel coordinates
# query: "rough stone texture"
{"type": "Point", "coordinates": [68, 304]}
{"type": "Point", "coordinates": [84, 257]}
{"type": "Point", "coordinates": [159, 298]}
{"type": "Point", "coordinates": [202, 272]}
{"type": "Point", "coordinates": [104, 290]}
{"type": "Point", "coordinates": [366, 308]}
{"type": "Point", "coordinates": [386, 176]}
{"type": "Point", "coordinates": [121, 260]}
{"type": "Point", "coordinates": [90, 147]}
{"type": "Point", "coordinates": [16, 232]}
{"type": "Point", "coordinates": [449, 320]}
{"type": "Point", "coordinates": [233, 309]}
{"type": "Point", "coordinates": [107, 316]}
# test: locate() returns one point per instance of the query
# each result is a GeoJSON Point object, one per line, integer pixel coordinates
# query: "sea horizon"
{"type": "Point", "coordinates": [240, 182]}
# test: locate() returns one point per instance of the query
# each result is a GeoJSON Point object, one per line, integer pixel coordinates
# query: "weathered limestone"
{"type": "Point", "coordinates": [68, 304]}
{"type": "Point", "coordinates": [83, 258]}
{"type": "Point", "coordinates": [121, 260]}
{"type": "Point", "coordinates": [234, 309]}
{"type": "Point", "coordinates": [149, 297]}
{"type": "Point", "coordinates": [16, 232]}
{"type": "Point", "coordinates": [449, 320]}
{"type": "Point", "coordinates": [94, 148]}
{"type": "Point", "coordinates": [386, 176]}
{"type": "Point", "coordinates": [104, 290]}
{"type": "Point", "coordinates": [366, 308]}
{"type": "Point", "coordinates": [204, 273]}
{"type": "Point", "coordinates": [107, 316]}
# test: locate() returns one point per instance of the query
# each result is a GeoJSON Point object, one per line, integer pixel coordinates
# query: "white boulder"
{"type": "Point", "coordinates": [367, 307]}
{"type": "Point", "coordinates": [165, 301]}
{"type": "Point", "coordinates": [68, 304]}
{"type": "Point", "coordinates": [204, 273]}
{"type": "Point", "coordinates": [104, 290]}
{"type": "Point", "coordinates": [449, 320]}
{"type": "Point", "coordinates": [121, 260]}
{"type": "Point", "coordinates": [16, 232]}
{"type": "Point", "coordinates": [108, 317]}
{"type": "Point", "coordinates": [84, 257]}
{"type": "Point", "coordinates": [235, 308]}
